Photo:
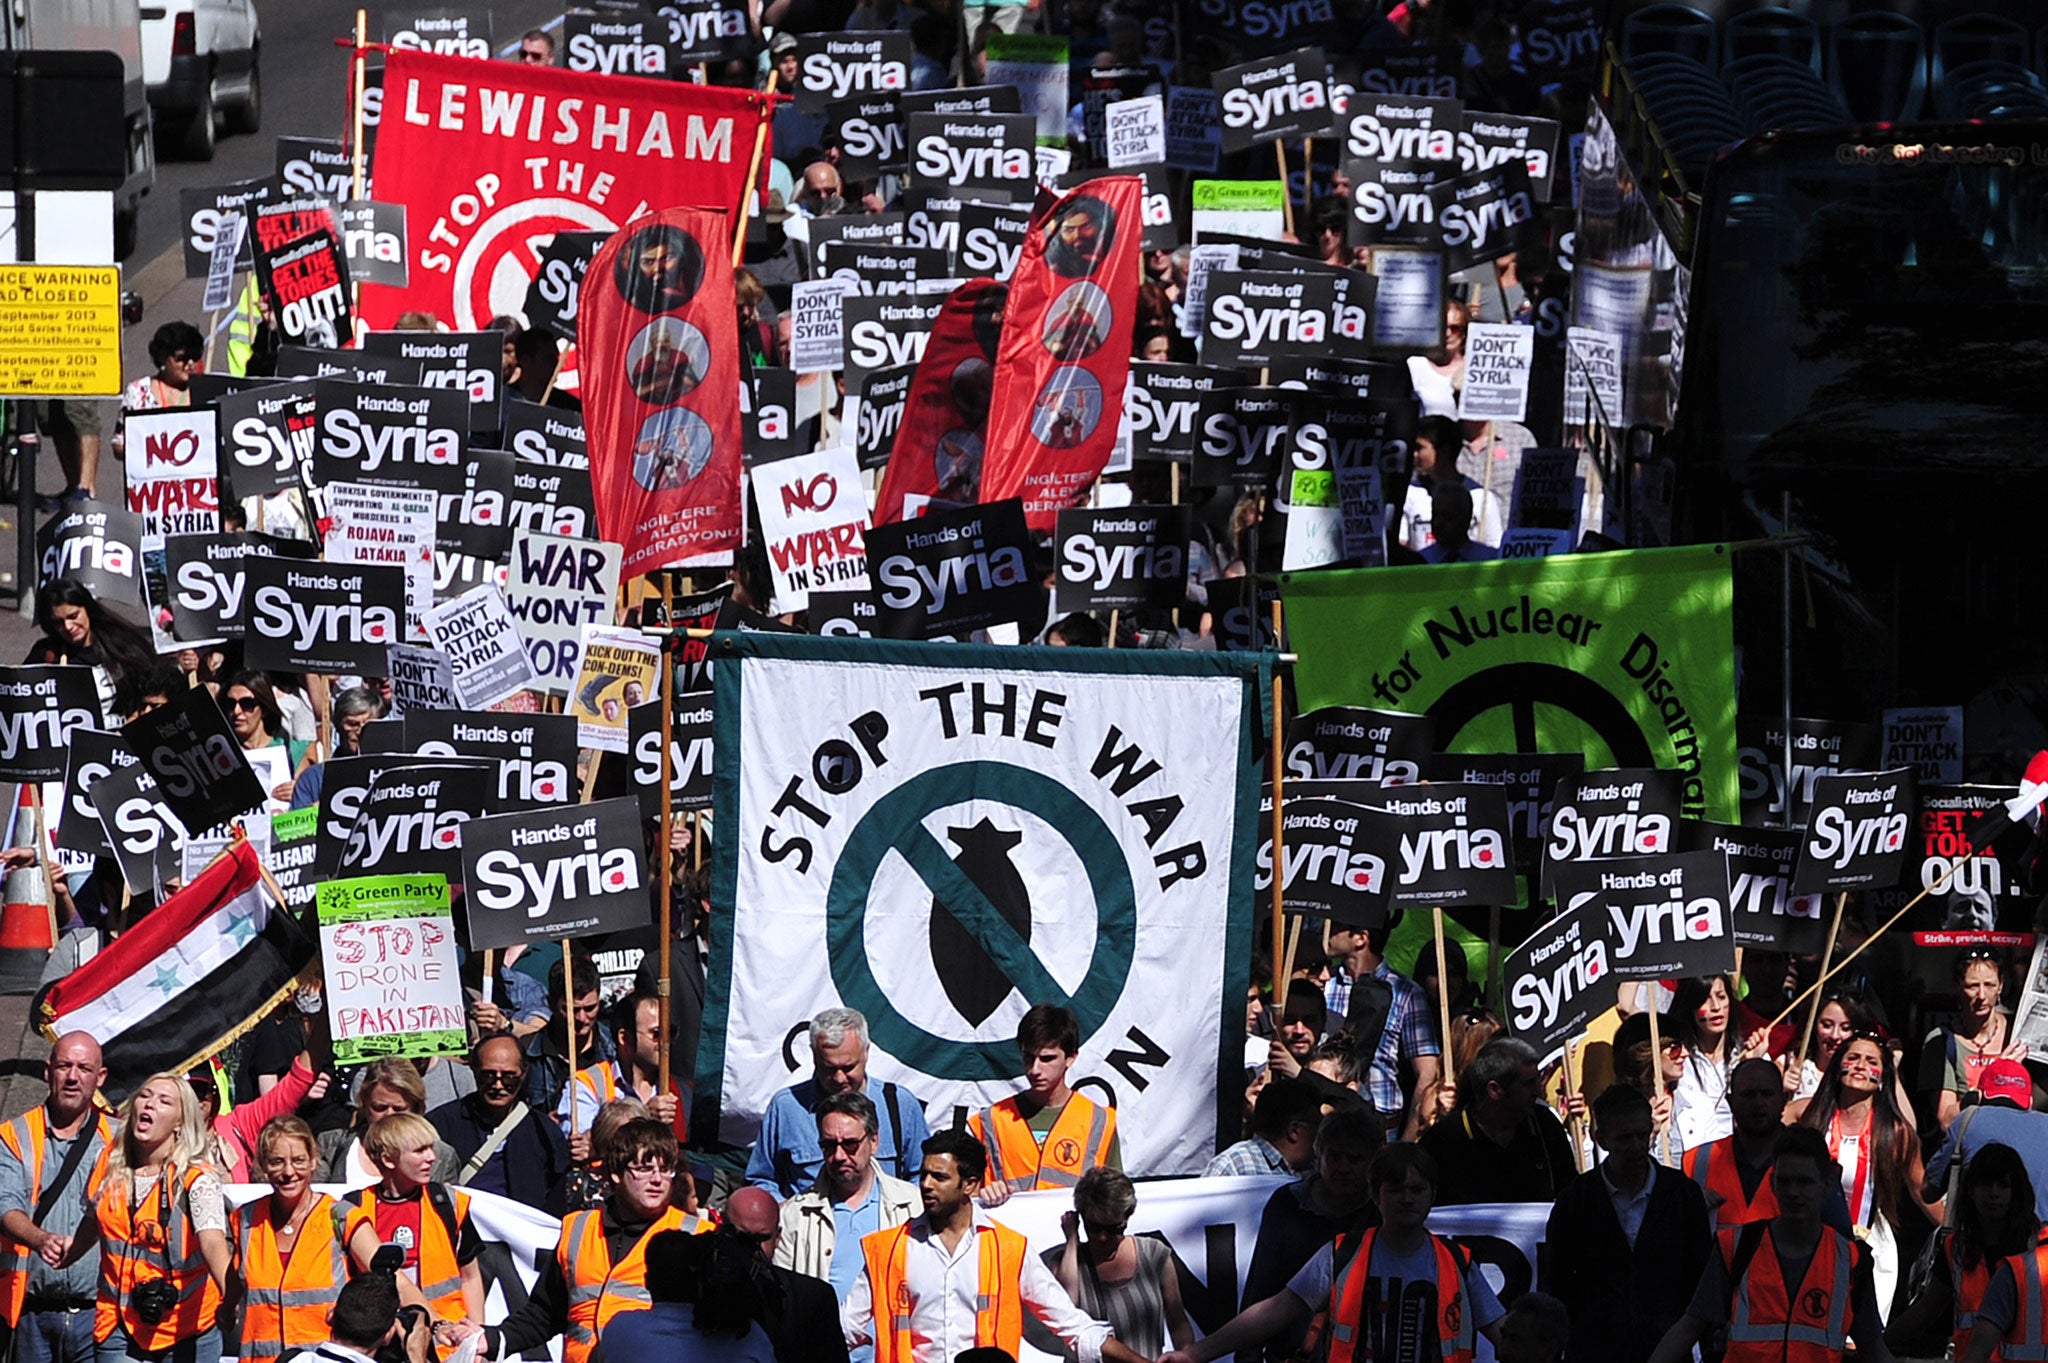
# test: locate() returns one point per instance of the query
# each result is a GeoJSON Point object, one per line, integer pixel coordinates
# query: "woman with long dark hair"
{"type": "Point", "coordinates": [78, 629]}
{"type": "Point", "coordinates": [1718, 1033]}
{"type": "Point", "coordinates": [1876, 1144]}
{"type": "Point", "coordinates": [1994, 1219]}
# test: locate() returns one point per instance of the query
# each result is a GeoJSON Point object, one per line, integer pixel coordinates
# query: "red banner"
{"type": "Point", "coordinates": [491, 159]}
{"type": "Point", "coordinates": [1066, 349]}
{"type": "Point", "coordinates": [937, 454]}
{"type": "Point", "coordinates": [659, 330]}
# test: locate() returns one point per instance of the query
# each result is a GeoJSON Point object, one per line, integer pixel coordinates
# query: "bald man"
{"type": "Point", "coordinates": [799, 1312]}
{"type": "Point", "coordinates": [52, 1159]}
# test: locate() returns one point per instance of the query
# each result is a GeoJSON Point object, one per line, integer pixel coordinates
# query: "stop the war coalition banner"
{"type": "Point", "coordinates": [492, 159]}
{"type": "Point", "coordinates": [946, 834]}
{"type": "Point", "coordinates": [661, 391]}
{"type": "Point", "coordinates": [1627, 657]}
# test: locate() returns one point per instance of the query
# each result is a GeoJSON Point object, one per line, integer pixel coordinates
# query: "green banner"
{"type": "Point", "coordinates": [1239, 195]}
{"type": "Point", "coordinates": [1627, 657]}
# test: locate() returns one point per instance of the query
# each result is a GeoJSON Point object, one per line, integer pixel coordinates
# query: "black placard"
{"type": "Point", "coordinates": [320, 617]}
{"type": "Point", "coordinates": [1342, 375]}
{"type": "Point", "coordinates": [951, 572]}
{"type": "Point", "coordinates": [555, 873]}
{"type": "Point", "coordinates": [314, 168]}
{"type": "Point", "coordinates": [1763, 911]}
{"type": "Point", "coordinates": [842, 612]}
{"type": "Point", "coordinates": [1335, 861]}
{"type": "Point", "coordinates": [557, 288]}
{"type": "Point", "coordinates": [1121, 558]}
{"type": "Point", "coordinates": [306, 281]}
{"type": "Point", "coordinates": [931, 216]}
{"type": "Point", "coordinates": [94, 753]}
{"type": "Point", "coordinates": [266, 437]}
{"type": "Point", "coordinates": [689, 738]}
{"type": "Point", "coordinates": [1558, 978]}
{"type": "Point", "coordinates": [885, 332]}
{"type": "Point", "coordinates": [837, 66]}
{"type": "Point", "coordinates": [974, 151]}
{"type": "Point", "coordinates": [97, 545]}
{"type": "Point", "coordinates": [39, 707]}
{"type": "Point", "coordinates": [1820, 747]}
{"type": "Point", "coordinates": [1275, 97]}
{"type": "Point", "coordinates": [619, 44]}
{"type": "Point", "coordinates": [1560, 38]}
{"type": "Point", "coordinates": [1350, 743]}
{"type": "Point", "coordinates": [1487, 140]}
{"type": "Point", "coordinates": [1240, 436]}
{"type": "Point", "coordinates": [209, 584]}
{"type": "Point", "coordinates": [972, 99]}
{"type": "Point", "coordinates": [1257, 316]}
{"type": "Point", "coordinates": [1393, 202]}
{"type": "Point", "coordinates": [868, 130]}
{"type": "Point", "coordinates": [470, 362]}
{"type": "Point", "coordinates": [1856, 832]}
{"type": "Point", "coordinates": [535, 754]}
{"type": "Point", "coordinates": [1621, 812]}
{"type": "Point", "coordinates": [447, 30]}
{"type": "Point", "coordinates": [412, 820]}
{"type": "Point", "coordinates": [1530, 780]}
{"type": "Point", "coordinates": [706, 30]}
{"type": "Point", "coordinates": [475, 519]}
{"type": "Point", "coordinates": [768, 402]}
{"type": "Point", "coordinates": [1263, 25]}
{"type": "Point", "coordinates": [195, 759]}
{"type": "Point", "coordinates": [882, 268]}
{"type": "Point", "coordinates": [1419, 70]}
{"type": "Point", "coordinates": [1662, 917]}
{"type": "Point", "coordinates": [991, 238]}
{"type": "Point", "coordinates": [349, 366]}
{"type": "Point", "coordinates": [346, 781]}
{"type": "Point", "coordinates": [1241, 613]}
{"type": "Point", "coordinates": [1454, 847]}
{"type": "Point", "coordinates": [146, 836]}
{"type": "Point", "coordinates": [1396, 129]}
{"type": "Point", "coordinates": [1485, 215]}
{"type": "Point", "coordinates": [553, 500]}
{"type": "Point", "coordinates": [860, 229]}
{"type": "Point", "coordinates": [1166, 403]}
{"type": "Point", "coordinates": [882, 397]}
{"type": "Point", "coordinates": [403, 436]}
{"type": "Point", "coordinates": [546, 435]}
{"type": "Point", "coordinates": [202, 212]}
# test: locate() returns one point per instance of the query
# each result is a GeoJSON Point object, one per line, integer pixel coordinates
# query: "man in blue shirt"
{"type": "Point", "coordinates": [2005, 1116]}
{"type": "Point", "coordinates": [787, 1155]}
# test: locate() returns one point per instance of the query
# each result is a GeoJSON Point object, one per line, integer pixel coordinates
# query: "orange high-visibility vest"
{"type": "Point", "coordinates": [1348, 1303]}
{"type": "Point", "coordinates": [2027, 1340]}
{"type": "Point", "coordinates": [152, 1240]}
{"type": "Point", "coordinates": [1770, 1322]}
{"type": "Point", "coordinates": [600, 1289]}
{"type": "Point", "coordinates": [1079, 1141]}
{"type": "Point", "coordinates": [24, 1136]}
{"type": "Point", "coordinates": [440, 1272]}
{"type": "Point", "coordinates": [998, 1295]}
{"type": "Point", "coordinates": [1970, 1286]}
{"type": "Point", "coordinates": [1712, 1166]}
{"type": "Point", "coordinates": [286, 1298]}
{"type": "Point", "coordinates": [603, 1080]}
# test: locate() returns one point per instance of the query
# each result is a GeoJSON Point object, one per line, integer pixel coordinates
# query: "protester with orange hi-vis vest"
{"type": "Point", "coordinates": [1791, 1289]}
{"type": "Point", "coordinates": [599, 1268]}
{"type": "Point", "coordinates": [161, 1222]}
{"type": "Point", "coordinates": [1735, 1171]}
{"type": "Point", "coordinates": [1048, 1135]}
{"type": "Point", "coordinates": [289, 1262]}
{"type": "Point", "coordinates": [952, 1279]}
{"type": "Point", "coordinates": [428, 1219]}
{"type": "Point", "coordinates": [52, 1160]}
{"type": "Point", "coordinates": [1343, 1292]}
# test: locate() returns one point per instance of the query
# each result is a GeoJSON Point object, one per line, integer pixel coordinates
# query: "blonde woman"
{"type": "Point", "coordinates": [161, 1223]}
{"type": "Point", "coordinates": [289, 1266]}
{"type": "Point", "coordinates": [387, 1087]}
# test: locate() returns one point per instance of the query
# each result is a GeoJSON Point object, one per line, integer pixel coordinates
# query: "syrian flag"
{"type": "Point", "coordinates": [193, 975]}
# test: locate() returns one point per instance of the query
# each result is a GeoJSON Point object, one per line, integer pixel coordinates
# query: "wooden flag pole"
{"type": "Point", "coordinates": [666, 853]}
{"type": "Point", "coordinates": [739, 230]}
{"type": "Point", "coordinates": [1826, 955]}
{"type": "Point", "coordinates": [1286, 199]}
{"type": "Point", "coordinates": [355, 113]}
{"type": "Point", "coordinates": [1279, 784]}
{"type": "Point", "coordinates": [1443, 993]}
{"type": "Point", "coordinates": [1112, 627]}
{"type": "Point", "coordinates": [1571, 1087]}
{"type": "Point", "coordinates": [569, 1026]}
{"type": "Point", "coordinates": [1889, 923]}
{"type": "Point", "coordinates": [1656, 1042]}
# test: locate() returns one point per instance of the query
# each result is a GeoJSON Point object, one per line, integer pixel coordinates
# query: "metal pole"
{"type": "Point", "coordinates": [666, 852]}
{"type": "Point", "coordinates": [27, 445]}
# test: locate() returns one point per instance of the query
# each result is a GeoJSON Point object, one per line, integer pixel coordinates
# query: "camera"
{"type": "Point", "coordinates": [153, 1300]}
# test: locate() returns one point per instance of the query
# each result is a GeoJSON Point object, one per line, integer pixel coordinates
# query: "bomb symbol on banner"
{"type": "Point", "coordinates": [975, 985]}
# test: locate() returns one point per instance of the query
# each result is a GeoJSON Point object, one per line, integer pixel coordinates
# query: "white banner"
{"type": "Point", "coordinates": [814, 516]}
{"type": "Point", "coordinates": [171, 461]}
{"type": "Point", "coordinates": [1211, 1224]}
{"type": "Point", "coordinates": [947, 836]}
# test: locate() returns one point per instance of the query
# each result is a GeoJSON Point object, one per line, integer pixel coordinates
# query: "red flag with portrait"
{"type": "Point", "coordinates": [1066, 349]}
{"type": "Point", "coordinates": [659, 335]}
{"type": "Point", "coordinates": [938, 449]}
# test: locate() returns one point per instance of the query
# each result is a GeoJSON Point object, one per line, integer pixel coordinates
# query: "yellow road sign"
{"type": "Point", "coordinates": [60, 331]}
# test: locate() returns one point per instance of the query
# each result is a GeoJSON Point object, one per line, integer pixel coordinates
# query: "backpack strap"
{"type": "Point", "coordinates": [444, 1207]}
{"type": "Point", "coordinates": [1746, 1245]}
{"type": "Point", "coordinates": [889, 1100]}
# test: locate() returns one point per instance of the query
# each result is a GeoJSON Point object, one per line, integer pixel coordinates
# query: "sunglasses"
{"type": "Point", "coordinates": [845, 1147]}
{"type": "Point", "coordinates": [245, 702]}
{"type": "Point", "coordinates": [506, 1078]}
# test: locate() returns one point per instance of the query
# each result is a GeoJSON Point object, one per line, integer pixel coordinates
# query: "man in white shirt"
{"type": "Point", "coordinates": [954, 1278]}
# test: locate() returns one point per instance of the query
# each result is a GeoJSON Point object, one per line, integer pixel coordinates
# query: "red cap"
{"type": "Point", "coordinates": [2004, 1078]}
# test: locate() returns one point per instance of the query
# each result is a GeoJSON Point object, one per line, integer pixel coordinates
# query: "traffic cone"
{"type": "Point", "coordinates": [26, 918]}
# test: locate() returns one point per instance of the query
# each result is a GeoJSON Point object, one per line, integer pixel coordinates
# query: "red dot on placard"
{"type": "Point", "coordinates": [1483, 856]}
{"type": "Point", "coordinates": [616, 879]}
{"type": "Point", "coordinates": [546, 787]}
{"type": "Point", "coordinates": [1592, 970]}
{"type": "Point", "coordinates": [1650, 840]}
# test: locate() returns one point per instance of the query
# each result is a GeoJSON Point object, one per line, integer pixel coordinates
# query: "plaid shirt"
{"type": "Point", "coordinates": [1410, 1031]}
{"type": "Point", "coordinates": [1247, 1159]}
